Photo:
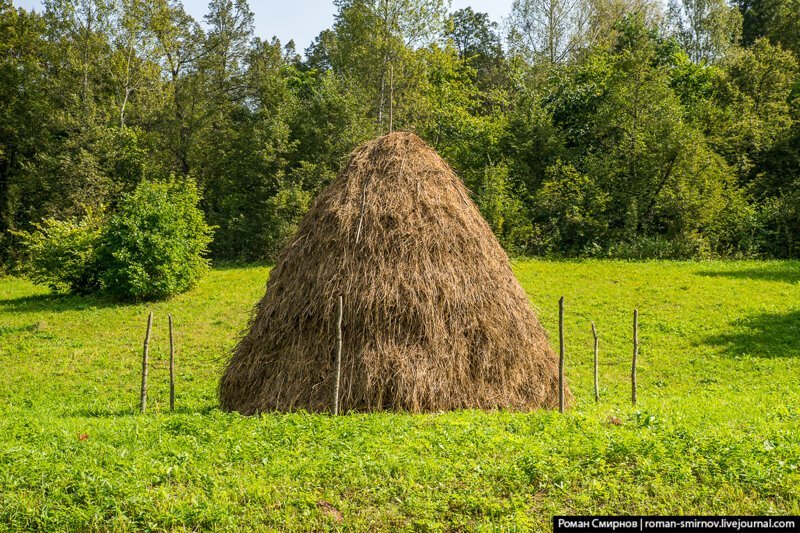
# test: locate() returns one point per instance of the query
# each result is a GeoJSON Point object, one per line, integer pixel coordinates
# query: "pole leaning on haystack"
{"type": "Point", "coordinates": [143, 397]}
{"type": "Point", "coordinates": [596, 364]}
{"type": "Point", "coordinates": [339, 312]}
{"type": "Point", "coordinates": [561, 388]}
{"type": "Point", "coordinates": [635, 354]}
{"type": "Point", "coordinates": [171, 367]}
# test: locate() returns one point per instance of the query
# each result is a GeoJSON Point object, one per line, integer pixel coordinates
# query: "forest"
{"type": "Point", "coordinates": [583, 128]}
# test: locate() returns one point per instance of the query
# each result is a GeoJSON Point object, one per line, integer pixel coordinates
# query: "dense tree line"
{"type": "Point", "coordinates": [583, 127]}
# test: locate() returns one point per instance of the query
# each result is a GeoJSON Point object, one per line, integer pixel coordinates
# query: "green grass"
{"type": "Point", "coordinates": [715, 431]}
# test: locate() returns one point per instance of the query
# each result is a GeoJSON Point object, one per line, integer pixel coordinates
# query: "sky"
{"type": "Point", "coordinates": [302, 20]}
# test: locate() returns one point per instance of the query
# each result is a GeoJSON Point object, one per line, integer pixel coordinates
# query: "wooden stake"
{"type": "Point", "coordinates": [391, 98]}
{"type": "Point", "coordinates": [339, 313]}
{"type": "Point", "coordinates": [171, 367]}
{"type": "Point", "coordinates": [561, 403]}
{"type": "Point", "coordinates": [596, 364]}
{"type": "Point", "coordinates": [635, 354]}
{"type": "Point", "coordinates": [143, 398]}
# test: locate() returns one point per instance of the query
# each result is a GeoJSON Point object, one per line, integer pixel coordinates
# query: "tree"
{"type": "Point", "coordinates": [774, 19]}
{"type": "Point", "coordinates": [373, 46]}
{"type": "Point", "coordinates": [546, 29]}
{"type": "Point", "coordinates": [477, 41]}
{"type": "Point", "coordinates": [603, 19]}
{"type": "Point", "coordinates": [244, 154]}
{"type": "Point", "coordinates": [180, 47]}
{"type": "Point", "coordinates": [132, 63]}
{"type": "Point", "coordinates": [226, 48]}
{"type": "Point", "coordinates": [533, 140]}
{"type": "Point", "coordinates": [644, 146]}
{"type": "Point", "coordinates": [707, 29]}
{"type": "Point", "coordinates": [25, 110]}
{"type": "Point", "coordinates": [689, 141]}
{"type": "Point", "coordinates": [473, 34]}
{"type": "Point", "coordinates": [81, 28]}
{"type": "Point", "coordinates": [752, 97]}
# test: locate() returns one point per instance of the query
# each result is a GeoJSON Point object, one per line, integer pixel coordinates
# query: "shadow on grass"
{"type": "Point", "coordinates": [233, 265]}
{"type": "Point", "coordinates": [13, 330]}
{"type": "Point", "coordinates": [56, 303]}
{"type": "Point", "coordinates": [93, 412]}
{"type": "Point", "coordinates": [788, 272]}
{"type": "Point", "coordinates": [767, 335]}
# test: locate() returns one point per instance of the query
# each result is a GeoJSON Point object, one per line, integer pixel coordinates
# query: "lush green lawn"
{"type": "Point", "coordinates": [715, 431]}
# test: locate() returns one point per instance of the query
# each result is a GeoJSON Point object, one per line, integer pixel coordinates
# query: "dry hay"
{"type": "Point", "coordinates": [434, 318]}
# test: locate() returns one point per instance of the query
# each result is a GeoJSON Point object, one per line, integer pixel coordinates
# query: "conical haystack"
{"type": "Point", "coordinates": [433, 319]}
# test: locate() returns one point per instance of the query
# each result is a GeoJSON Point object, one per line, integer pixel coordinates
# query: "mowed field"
{"type": "Point", "coordinates": [717, 428]}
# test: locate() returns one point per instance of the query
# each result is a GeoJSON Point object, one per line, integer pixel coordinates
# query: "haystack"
{"type": "Point", "coordinates": [433, 317]}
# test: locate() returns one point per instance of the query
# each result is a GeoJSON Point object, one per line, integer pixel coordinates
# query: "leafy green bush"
{"type": "Point", "coordinates": [737, 231]}
{"type": "Point", "coordinates": [153, 246]}
{"type": "Point", "coordinates": [283, 214]}
{"type": "Point", "coordinates": [503, 211]}
{"type": "Point", "coordinates": [569, 209]}
{"type": "Point", "coordinates": [643, 247]}
{"type": "Point", "coordinates": [780, 220]}
{"type": "Point", "coordinates": [62, 253]}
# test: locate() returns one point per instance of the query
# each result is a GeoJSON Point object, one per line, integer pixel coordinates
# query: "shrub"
{"type": "Point", "coordinates": [569, 208]}
{"type": "Point", "coordinates": [154, 245]}
{"type": "Point", "coordinates": [503, 211]}
{"type": "Point", "coordinates": [62, 253]}
{"type": "Point", "coordinates": [737, 231]}
{"type": "Point", "coordinates": [643, 247]}
{"type": "Point", "coordinates": [283, 213]}
{"type": "Point", "coordinates": [780, 219]}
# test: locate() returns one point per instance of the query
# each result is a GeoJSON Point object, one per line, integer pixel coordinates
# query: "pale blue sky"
{"type": "Point", "coordinates": [302, 20]}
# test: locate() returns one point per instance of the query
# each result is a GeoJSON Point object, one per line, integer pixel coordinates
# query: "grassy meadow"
{"type": "Point", "coordinates": [715, 431]}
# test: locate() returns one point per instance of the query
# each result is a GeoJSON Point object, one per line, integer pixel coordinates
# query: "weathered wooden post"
{"type": "Point", "coordinates": [561, 402]}
{"type": "Point", "coordinates": [596, 364]}
{"type": "Point", "coordinates": [391, 97]}
{"type": "Point", "coordinates": [338, 356]}
{"type": "Point", "coordinates": [171, 367]}
{"type": "Point", "coordinates": [635, 354]}
{"type": "Point", "coordinates": [143, 397]}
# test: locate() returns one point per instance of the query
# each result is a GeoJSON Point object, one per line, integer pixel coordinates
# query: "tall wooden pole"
{"type": "Point", "coordinates": [561, 402]}
{"type": "Point", "coordinates": [391, 98]}
{"type": "Point", "coordinates": [596, 364]}
{"type": "Point", "coordinates": [635, 354]}
{"type": "Point", "coordinates": [171, 367]}
{"type": "Point", "coordinates": [143, 397]}
{"type": "Point", "coordinates": [339, 313]}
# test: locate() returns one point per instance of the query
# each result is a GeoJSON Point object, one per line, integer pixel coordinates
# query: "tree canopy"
{"type": "Point", "coordinates": [582, 127]}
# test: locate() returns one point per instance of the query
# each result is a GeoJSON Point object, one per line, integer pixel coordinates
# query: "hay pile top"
{"type": "Point", "coordinates": [434, 318]}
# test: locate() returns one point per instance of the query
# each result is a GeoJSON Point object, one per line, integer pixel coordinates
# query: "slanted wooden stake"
{"type": "Point", "coordinates": [561, 404]}
{"type": "Point", "coordinates": [171, 367]}
{"type": "Point", "coordinates": [143, 398]}
{"type": "Point", "coordinates": [596, 364]}
{"type": "Point", "coordinates": [339, 312]}
{"type": "Point", "coordinates": [635, 354]}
